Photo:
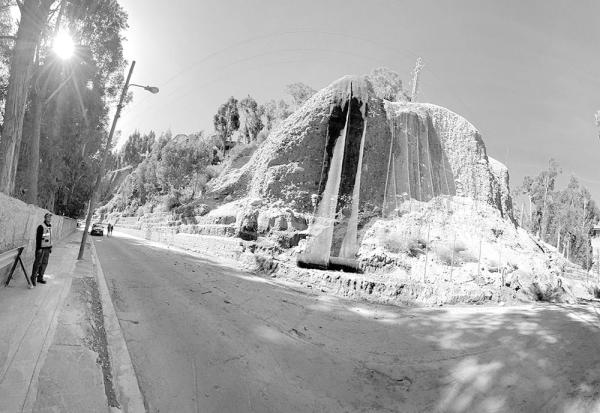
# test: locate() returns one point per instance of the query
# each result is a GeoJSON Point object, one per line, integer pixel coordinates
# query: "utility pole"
{"type": "Point", "coordinates": [103, 164]}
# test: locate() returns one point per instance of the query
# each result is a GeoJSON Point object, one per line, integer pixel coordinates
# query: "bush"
{"type": "Point", "coordinates": [459, 246]}
{"type": "Point", "coordinates": [182, 158]}
{"type": "Point", "coordinates": [262, 135]}
{"type": "Point", "coordinates": [466, 256]}
{"type": "Point", "coordinates": [395, 243]}
{"type": "Point", "coordinates": [171, 201]}
{"type": "Point", "coordinates": [235, 156]}
{"type": "Point", "coordinates": [213, 171]}
{"type": "Point", "coordinates": [194, 208]}
{"type": "Point", "coordinates": [444, 255]}
{"type": "Point", "coordinates": [549, 294]}
{"type": "Point", "coordinates": [540, 294]}
{"type": "Point", "coordinates": [265, 265]}
{"type": "Point", "coordinates": [416, 246]}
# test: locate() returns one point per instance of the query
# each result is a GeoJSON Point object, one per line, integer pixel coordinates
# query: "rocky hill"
{"type": "Point", "coordinates": [112, 181]}
{"type": "Point", "coordinates": [421, 150]}
{"type": "Point", "coordinates": [401, 192]}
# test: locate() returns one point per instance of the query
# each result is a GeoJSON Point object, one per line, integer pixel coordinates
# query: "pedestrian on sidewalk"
{"type": "Point", "coordinates": [43, 248]}
{"type": "Point", "coordinates": [110, 228]}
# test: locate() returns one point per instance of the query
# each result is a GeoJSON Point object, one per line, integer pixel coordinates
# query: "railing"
{"type": "Point", "coordinates": [13, 257]}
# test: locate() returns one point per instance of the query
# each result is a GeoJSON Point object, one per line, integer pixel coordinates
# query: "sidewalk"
{"type": "Point", "coordinates": [54, 354]}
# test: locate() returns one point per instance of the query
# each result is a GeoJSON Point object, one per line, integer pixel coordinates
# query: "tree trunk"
{"type": "Point", "coordinates": [543, 221]}
{"type": "Point", "coordinates": [34, 14]}
{"type": "Point", "coordinates": [583, 217]}
{"type": "Point", "coordinates": [34, 153]}
{"type": "Point", "coordinates": [530, 214]}
{"type": "Point", "coordinates": [50, 203]}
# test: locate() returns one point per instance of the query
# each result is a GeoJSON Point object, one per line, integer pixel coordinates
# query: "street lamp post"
{"type": "Point", "coordinates": [105, 157]}
{"type": "Point", "coordinates": [151, 89]}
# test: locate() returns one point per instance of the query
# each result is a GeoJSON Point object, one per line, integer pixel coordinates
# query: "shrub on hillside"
{"type": "Point", "coordinates": [182, 159]}
{"type": "Point", "coordinates": [445, 256]}
{"type": "Point", "coordinates": [594, 290]}
{"type": "Point", "coordinates": [214, 170]}
{"type": "Point", "coordinates": [396, 243]}
{"type": "Point", "coordinates": [262, 135]}
{"type": "Point", "coordinates": [194, 208]}
{"type": "Point", "coordinates": [171, 201]}
{"type": "Point", "coordinates": [240, 150]}
{"type": "Point", "coordinates": [455, 253]}
{"type": "Point", "coordinates": [459, 246]}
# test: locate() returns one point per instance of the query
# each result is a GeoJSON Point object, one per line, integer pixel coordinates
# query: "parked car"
{"type": "Point", "coordinates": [97, 229]}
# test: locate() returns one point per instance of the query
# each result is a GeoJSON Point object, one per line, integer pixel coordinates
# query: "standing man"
{"type": "Point", "coordinates": [43, 248]}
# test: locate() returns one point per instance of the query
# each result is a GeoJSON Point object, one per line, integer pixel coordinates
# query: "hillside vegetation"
{"type": "Point", "coordinates": [252, 178]}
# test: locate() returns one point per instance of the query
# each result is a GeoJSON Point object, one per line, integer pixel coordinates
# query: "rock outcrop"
{"type": "Point", "coordinates": [112, 181]}
{"type": "Point", "coordinates": [410, 150]}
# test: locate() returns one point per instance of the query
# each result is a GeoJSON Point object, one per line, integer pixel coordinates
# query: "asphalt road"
{"type": "Point", "coordinates": [205, 337]}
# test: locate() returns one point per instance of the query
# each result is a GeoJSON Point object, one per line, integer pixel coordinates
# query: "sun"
{"type": "Point", "coordinates": [63, 45]}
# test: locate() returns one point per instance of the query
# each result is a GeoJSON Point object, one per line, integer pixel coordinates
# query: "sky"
{"type": "Point", "coordinates": [526, 73]}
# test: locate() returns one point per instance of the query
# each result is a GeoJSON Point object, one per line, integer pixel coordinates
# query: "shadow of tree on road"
{"type": "Point", "coordinates": [532, 358]}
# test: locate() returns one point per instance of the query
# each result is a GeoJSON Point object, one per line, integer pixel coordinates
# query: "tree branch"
{"type": "Point", "coordinates": [8, 37]}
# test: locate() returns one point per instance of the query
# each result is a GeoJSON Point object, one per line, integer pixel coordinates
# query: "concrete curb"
{"type": "Point", "coordinates": [125, 380]}
{"type": "Point", "coordinates": [30, 399]}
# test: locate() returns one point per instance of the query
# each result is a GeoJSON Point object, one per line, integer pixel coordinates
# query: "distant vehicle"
{"type": "Point", "coordinates": [97, 229]}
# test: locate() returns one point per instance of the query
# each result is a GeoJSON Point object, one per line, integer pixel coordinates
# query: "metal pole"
{"type": "Point", "coordinates": [88, 220]}
{"type": "Point", "coordinates": [452, 260]}
{"type": "Point", "coordinates": [479, 259]}
{"type": "Point", "coordinates": [426, 253]}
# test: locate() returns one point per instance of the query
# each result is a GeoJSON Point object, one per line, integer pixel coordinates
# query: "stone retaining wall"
{"type": "Point", "coordinates": [206, 244]}
{"type": "Point", "coordinates": [18, 225]}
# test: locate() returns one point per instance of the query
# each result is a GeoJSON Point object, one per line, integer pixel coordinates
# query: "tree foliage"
{"type": "Point", "coordinates": [136, 148]}
{"type": "Point", "coordinates": [34, 17]}
{"type": "Point", "coordinates": [300, 93]}
{"type": "Point", "coordinates": [175, 167]}
{"type": "Point", "coordinates": [6, 43]}
{"type": "Point", "coordinates": [387, 84]}
{"type": "Point", "coordinates": [227, 120]}
{"type": "Point", "coordinates": [251, 115]}
{"type": "Point", "coordinates": [75, 97]}
{"type": "Point", "coordinates": [561, 217]}
{"type": "Point", "coordinates": [182, 160]}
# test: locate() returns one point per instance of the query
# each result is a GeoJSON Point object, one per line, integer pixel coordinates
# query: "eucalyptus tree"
{"type": "Point", "coordinates": [34, 18]}
{"type": "Point", "coordinates": [69, 104]}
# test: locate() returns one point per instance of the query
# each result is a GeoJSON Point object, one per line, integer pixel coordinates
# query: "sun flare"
{"type": "Point", "coordinates": [63, 45]}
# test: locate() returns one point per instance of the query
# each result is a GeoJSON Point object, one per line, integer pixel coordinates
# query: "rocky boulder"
{"type": "Point", "coordinates": [407, 150]}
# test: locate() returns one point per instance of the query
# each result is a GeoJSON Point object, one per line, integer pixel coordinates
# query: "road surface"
{"type": "Point", "coordinates": [205, 337]}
